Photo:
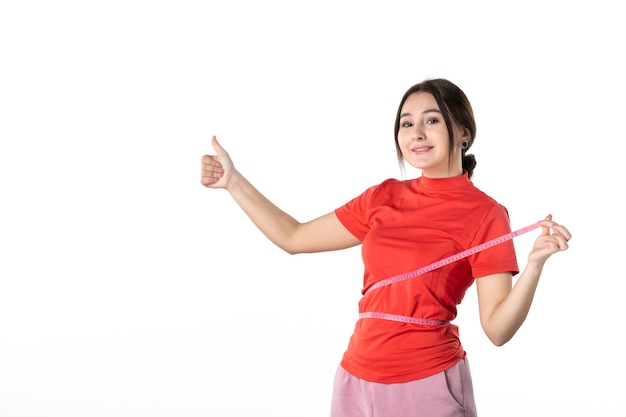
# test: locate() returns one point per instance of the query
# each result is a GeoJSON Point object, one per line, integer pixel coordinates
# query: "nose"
{"type": "Point", "coordinates": [417, 133]}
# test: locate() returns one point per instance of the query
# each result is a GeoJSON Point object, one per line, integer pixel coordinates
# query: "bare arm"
{"type": "Point", "coordinates": [324, 233]}
{"type": "Point", "coordinates": [503, 307]}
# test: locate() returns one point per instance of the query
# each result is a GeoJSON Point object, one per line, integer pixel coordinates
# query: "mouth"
{"type": "Point", "coordinates": [421, 149]}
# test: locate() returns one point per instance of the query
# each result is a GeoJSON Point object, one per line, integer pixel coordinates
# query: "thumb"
{"type": "Point", "coordinates": [216, 145]}
{"type": "Point", "coordinates": [546, 230]}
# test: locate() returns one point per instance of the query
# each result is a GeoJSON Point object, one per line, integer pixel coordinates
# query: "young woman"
{"type": "Point", "coordinates": [405, 357]}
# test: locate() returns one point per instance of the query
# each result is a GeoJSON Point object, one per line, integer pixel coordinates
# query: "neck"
{"type": "Point", "coordinates": [449, 173]}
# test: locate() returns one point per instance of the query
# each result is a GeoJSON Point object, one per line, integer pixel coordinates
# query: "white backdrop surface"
{"type": "Point", "coordinates": [127, 289]}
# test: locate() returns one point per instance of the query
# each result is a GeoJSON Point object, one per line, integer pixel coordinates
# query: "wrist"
{"type": "Point", "coordinates": [234, 181]}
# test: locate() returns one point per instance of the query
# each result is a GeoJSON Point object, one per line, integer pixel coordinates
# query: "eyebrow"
{"type": "Point", "coordinates": [424, 112]}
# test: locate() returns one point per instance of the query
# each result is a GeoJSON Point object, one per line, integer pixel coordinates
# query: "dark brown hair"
{"type": "Point", "coordinates": [455, 109]}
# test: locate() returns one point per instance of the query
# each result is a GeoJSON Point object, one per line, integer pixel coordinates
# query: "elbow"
{"type": "Point", "coordinates": [499, 342]}
{"type": "Point", "coordinates": [497, 337]}
{"type": "Point", "coordinates": [293, 248]}
{"type": "Point", "coordinates": [290, 249]}
{"type": "Point", "coordinates": [287, 246]}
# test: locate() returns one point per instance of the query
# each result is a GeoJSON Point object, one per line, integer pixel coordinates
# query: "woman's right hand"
{"type": "Point", "coordinates": [216, 170]}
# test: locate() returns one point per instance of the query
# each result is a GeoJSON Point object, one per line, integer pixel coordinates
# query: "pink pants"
{"type": "Point", "coordinates": [446, 394]}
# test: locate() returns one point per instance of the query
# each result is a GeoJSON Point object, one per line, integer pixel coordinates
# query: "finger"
{"type": "Point", "coordinates": [207, 182]}
{"type": "Point", "coordinates": [562, 230]}
{"type": "Point", "coordinates": [211, 170]}
{"type": "Point", "coordinates": [560, 241]}
{"type": "Point", "coordinates": [550, 224]}
{"type": "Point", "coordinates": [552, 245]}
{"type": "Point", "coordinates": [216, 145]}
{"type": "Point", "coordinates": [209, 160]}
{"type": "Point", "coordinates": [546, 224]}
{"type": "Point", "coordinates": [209, 177]}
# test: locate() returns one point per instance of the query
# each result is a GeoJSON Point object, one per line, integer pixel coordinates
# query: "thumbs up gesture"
{"type": "Point", "coordinates": [217, 169]}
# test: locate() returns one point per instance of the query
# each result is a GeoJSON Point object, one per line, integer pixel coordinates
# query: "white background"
{"type": "Point", "coordinates": [128, 289]}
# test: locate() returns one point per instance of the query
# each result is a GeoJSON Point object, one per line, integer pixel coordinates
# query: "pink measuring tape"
{"type": "Point", "coordinates": [453, 258]}
{"type": "Point", "coordinates": [433, 266]}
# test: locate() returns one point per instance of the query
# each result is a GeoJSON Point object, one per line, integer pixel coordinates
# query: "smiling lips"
{"type": "Point", "coordinates": [421, 149]}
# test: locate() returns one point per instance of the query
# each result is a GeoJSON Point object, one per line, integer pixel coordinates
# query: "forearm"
{"type": "Point", "coordinates": [274, 223]}
{"type": "Point", "coordinates": [510, 314]}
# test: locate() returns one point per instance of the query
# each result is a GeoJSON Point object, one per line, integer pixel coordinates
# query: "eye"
{"type": "Point", "coordinates": [432, 121]}
{"type": "Point", "coordinates": [406, 124]}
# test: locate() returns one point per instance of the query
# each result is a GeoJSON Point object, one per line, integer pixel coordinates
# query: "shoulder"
{"type": "Point", "coordinates": [386, 186]}
{"type": "Point", "coordinates": [374, 195]}
{"type": "Point", "coordinates": [481, 195]}
{"type": "Point", "coordinates": [389, 189]}
{"type": "Point", "coordinates": [482, 207]}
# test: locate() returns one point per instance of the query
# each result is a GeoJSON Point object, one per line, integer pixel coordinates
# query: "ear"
{"type": "Point", "coordinates": [465, 137]}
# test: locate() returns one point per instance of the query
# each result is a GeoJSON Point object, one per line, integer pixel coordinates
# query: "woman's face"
{"type": "Point", "coordinates": [423, 138]}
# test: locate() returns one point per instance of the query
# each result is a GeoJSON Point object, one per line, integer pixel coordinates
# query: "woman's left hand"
{"type": "Point", "coordinates": [553, 239]}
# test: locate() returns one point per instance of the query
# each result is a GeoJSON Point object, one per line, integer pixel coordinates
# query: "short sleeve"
{"type": "Point", "coordinates": [499, 258]}
{"type": "Point", "coordinates": [354, 215]}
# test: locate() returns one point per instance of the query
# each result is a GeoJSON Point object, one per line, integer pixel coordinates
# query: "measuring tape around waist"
{"type": "Point", "coordinates": [453, 258]}
{"type": "Point", "coordinates": [402, 319]}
